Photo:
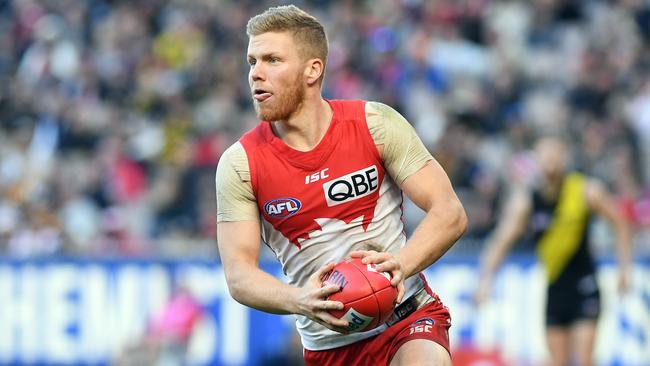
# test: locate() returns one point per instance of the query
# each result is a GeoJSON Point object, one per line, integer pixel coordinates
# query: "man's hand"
{"type": "Point", "coordinates": [384, 262]}
{"type": "Point", "coordinates": [312, 303]}
{"type": "Point", "coordinates": [623, 281]}
{"type": "Point", "coordinates": [482, 292]}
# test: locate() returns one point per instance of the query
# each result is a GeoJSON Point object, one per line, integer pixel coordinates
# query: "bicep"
{"type": "Point", "coordinates": [238, 226]}
{"type": "Point", "coordinates": [428, 186]}
{"type": "Point", "coordinates": [239, 244]}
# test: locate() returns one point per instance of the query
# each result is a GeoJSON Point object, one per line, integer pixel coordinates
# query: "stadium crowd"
{"type": "Point", "coordinates": [113, 114]}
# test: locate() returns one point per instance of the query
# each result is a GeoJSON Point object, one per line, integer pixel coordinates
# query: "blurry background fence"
{"type": "Point", "coordinates": [71, 311]}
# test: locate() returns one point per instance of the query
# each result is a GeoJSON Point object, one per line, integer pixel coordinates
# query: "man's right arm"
{"type": "Point", "coordinates": [238, 238]}
{"type": "Point", "coordinates": [249, 285]}
{"type": "Point", "coordinates": [511, 225]}
{"type": "Point", "coordinates": [238, 243]}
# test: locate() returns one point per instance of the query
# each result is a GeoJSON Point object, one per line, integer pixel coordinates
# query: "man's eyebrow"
{"type": "Point", "coordinates": [264, 55]}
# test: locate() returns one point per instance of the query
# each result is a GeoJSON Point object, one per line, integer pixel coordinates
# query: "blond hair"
{"type": "Point", "coordinates": [307, 31]}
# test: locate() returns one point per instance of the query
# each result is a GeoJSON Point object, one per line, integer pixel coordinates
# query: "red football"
{"type": "Point", "coordinates": [367, 295]}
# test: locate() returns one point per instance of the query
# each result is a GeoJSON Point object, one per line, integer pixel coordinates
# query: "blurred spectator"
{"type": "Point", "coordinates": [168, 336]}
{"type": "Point", "coordinates": [113, 114]}
{"type": "Point", "coordinates": [171, 330]}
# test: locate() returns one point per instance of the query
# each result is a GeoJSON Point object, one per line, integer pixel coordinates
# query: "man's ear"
{"type": "Point", "coordinates": [314, 70]}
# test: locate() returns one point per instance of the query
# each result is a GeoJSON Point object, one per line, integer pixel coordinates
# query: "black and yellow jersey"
{"type": "Point", "coordinates": [560, 229]}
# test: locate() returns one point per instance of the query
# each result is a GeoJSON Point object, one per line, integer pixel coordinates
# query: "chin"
{"type": "Point", "coordinates": [266, 115]}
{"type": "Point", "coordinates": [272, 114]}
{"type": "Point", "coordinates": [261, 113]}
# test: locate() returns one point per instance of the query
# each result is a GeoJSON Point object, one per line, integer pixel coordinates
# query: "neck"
{"type": "Point", "coordinates": [307, 126]}
{"type": "Point", "coordinates": [553, 185]}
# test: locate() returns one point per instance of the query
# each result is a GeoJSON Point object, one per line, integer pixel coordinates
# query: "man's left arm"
{"type": "Point", "coordinates": [445, 221]}
{"type": "Point", "coordinates": [601, 201]}
{"type": "Point", "coordinates": [424, 181]}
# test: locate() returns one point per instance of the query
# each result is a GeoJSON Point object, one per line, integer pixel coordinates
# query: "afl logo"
{"type": "Point", "coordinates": [282, 207]}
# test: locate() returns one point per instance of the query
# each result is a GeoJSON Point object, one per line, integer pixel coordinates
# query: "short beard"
{"type": "Point", "coordinates": [286, 104]}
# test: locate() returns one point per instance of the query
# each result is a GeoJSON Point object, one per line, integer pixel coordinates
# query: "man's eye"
{"type": "Point", "coordinates": [251, 62]}
{"type": "Point", "coordinates": [273, 60]}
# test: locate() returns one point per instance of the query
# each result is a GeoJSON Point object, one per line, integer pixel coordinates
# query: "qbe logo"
{"type": "Point", "coordinates": [351, 186]}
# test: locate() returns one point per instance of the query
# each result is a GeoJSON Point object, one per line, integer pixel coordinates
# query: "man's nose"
{"type": "Point", "coordinates": [257, 72]}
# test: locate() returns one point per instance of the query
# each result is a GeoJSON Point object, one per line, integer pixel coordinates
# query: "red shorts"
{"type": "Point", "coordinates": [431, 322]}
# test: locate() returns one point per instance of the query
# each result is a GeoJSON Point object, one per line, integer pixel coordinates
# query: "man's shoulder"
{"type": "Point", "coordinates": [235, 158]}
{"type": "Point", "coordinates": [584, 177]}
{"type": "Point", "coordinates": [374, 108]}
{"type": "Point", "coordinates": [579, 178]}
{"type": "Point", "coordinates": [380, 117]}
{"type": "Point", "coordinates": [370, 108]}
{"type": "Point", "coordinates": [233, 152]}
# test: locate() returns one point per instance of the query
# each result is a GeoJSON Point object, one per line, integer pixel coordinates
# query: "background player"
{"type": "Point", "coordinates": [557, 212]}
{"type": "Point", "coordinates": [317, 179]}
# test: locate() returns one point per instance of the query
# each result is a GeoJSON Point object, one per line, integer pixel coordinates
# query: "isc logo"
{"type": "Point", "coordinates": [421, 329]}
{"type": "Point", "coordinates": [351, 186]}
{"type": "Point", "coordinates": [282, 207]}
{"type": "Point", "coordinates": [423, 325]}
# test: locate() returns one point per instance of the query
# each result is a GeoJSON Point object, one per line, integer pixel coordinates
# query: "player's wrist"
{"type": "Point", "coordinates": [485, 279]}
{"type": "Point", "coordinates": [293, 303]}
{"type": "Point", "coordinates": [402, 263]}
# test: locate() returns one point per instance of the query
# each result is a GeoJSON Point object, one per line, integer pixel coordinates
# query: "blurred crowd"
{"type": "Point", "coordinates": [113, 114]}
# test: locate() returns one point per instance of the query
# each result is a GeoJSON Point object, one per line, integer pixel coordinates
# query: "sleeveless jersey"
{"type": "Point", "coordinates": [560, 229]}
{"type": "Point", "coordinates": [317, 206]}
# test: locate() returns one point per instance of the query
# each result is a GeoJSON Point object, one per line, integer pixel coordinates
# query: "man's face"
{"type": "Point", "coordinates": [276, 75]}
{"type": "Point", "coordinates": [552, 156]}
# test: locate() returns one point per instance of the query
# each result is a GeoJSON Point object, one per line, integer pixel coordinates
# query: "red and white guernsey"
{"type": "Point", "coordinates": [319, 205]}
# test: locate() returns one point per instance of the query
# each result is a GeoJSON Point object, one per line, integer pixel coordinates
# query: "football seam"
{"type": "Point", "coordinates": [373, 294]}
{"type": "Point", "coordinates": [374, 291]}
{"type": "Point", "coordinates": [370, 282]}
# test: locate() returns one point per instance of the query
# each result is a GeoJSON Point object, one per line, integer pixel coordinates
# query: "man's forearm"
{"type": "Point", "coordinates": [624, 243]}
{"type": "Point", "coordinates": [258, 289]}
{"type": "Point", "coordinates": [435, 234]}
{"type": "Point", "coordinates": [497, 248]}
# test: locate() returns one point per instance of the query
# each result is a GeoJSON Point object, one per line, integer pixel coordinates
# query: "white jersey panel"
{"type": "Point", "coordinates": [331, 244]}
